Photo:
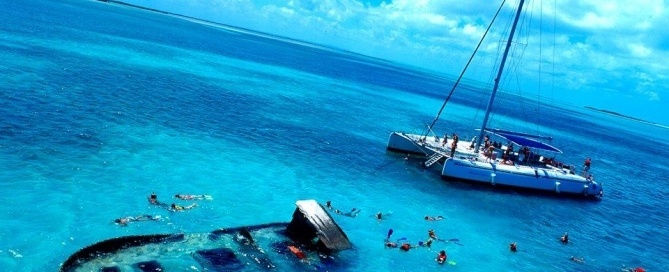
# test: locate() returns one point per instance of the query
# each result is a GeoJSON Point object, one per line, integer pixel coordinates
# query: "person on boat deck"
{"type": "Point", "coordinates": [526, 153]}
{"type": "Point", "coordinates": [125, 220]}
{"type": "Point", "coordinates": [586, 166]}
{"type": "Point", "coordinates": [513, 247]}
{"type": "Point", "coordinates": [178, 208]}
{"type": "Point", "coordinates": [486, 142]}
{"type": "Point", "coordinates": [507, 154]}
{"type": "Point", "coordinates": [488, 153]}
{"type": "Point", "coordinates": [441, 258]}
{"type": "Point", "coordinates": [353, 213]}
{"type": "Point", "coordinates": [565, 238]}
{"type": "Point", "coordinates": [454, 145]}
{"type": "Point", "coordinates": [430, 218]}
{"type": "Point", "coordinates": [590, 178]}
{"type": "Point", "coordinates": [444, 140]}
{"type": "Point", "coordinates": [473, 143]}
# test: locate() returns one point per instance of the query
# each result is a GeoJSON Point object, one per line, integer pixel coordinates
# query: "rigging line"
{"type": "Point", "coordinates": [553, 57]}
{"type": "Point", "coordinates": [465, 69]}
{"type": "Point", "coordinates": [500, 50]}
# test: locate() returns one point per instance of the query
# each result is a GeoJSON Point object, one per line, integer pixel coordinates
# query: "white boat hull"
{"type": "Point", "coordinates": [543, 179]}
{"type": "Point", "coordinates": [411, 144]}
{"type": "Point", "coordinates": [408, 143]}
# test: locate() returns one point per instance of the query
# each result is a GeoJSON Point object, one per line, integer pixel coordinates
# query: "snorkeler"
{"type": "Point", "coordinates": [565, 238]}
{"type": "Point", "coordinates": [353, 213]}
{"type": "Point", "coordinates": [577, 259]}
{"type": "Point", "coordinates": [441, 258]}
{"type": "Point", "coordinates": [380, 215]}
{"type": "Point", "coordinates": [432, 235]}
{"type": "Point", "coordinates": [513, 247]}
{"type": "Point", "coordinates": [430, 218]}
{"type": "Point", "coordinates": [328, 204]}
{"type": "Point", "coordinates": [192, 197]}
{"type": "Point", "coordinates": [128, 219]}
{"type": "Point", "coordinates": [178, 208]}
{"type": "Point", "coordinates": [153, 199]}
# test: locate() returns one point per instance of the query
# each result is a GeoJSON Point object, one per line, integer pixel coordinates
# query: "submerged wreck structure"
{"type": "Point", "coordinates": [309, 241]}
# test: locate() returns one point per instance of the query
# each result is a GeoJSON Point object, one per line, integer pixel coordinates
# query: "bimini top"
{"type": "Point", "coordinates": [523, 139]}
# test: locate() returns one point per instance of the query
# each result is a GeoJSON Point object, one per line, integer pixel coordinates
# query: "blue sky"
{"type": "Point", "coordinates": [606, 54]}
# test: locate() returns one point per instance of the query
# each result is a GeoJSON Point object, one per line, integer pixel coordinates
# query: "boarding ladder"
{"type": "Point", "coordinates": [434, 158]}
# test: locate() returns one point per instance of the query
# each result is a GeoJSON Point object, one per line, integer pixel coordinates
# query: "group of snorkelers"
{"type": "Point", "coordinates": [379, 215]}
{"type": "Point", "coordinates": [564, 239]}
{"type": "Point", "coordinates": [153, 200]}
{"type": "Point", "coordinates": [404, 245]}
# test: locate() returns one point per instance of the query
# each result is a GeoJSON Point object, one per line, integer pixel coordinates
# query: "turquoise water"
{"type": "Point", "coordinates": [102, 105]}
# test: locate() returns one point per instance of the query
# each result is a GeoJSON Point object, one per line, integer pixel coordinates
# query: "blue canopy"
{"type": "Point", "coordinates": [522, 139]}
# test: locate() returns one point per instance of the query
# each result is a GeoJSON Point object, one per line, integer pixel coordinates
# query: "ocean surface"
{"type": "Point", "coordinates": [101, 105]}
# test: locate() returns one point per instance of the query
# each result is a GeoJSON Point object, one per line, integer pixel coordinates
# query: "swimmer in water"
{"type": "Point", "coordinates": [441, 258]}
{"type": "Point", "coordinates": [178, 208]}
{"type": "Point", "coordinates": [353, 213]}
{"type": "Point", "coordinates": [430, 218]}
{"type": "Point", "coordinates": [191, 197]}
{"type": "Point", "coordinates": [577, 259]}
{"type": "Point", "coordinates": [565, 238]}
{"type": "Point", "coordinates": [124, 221]}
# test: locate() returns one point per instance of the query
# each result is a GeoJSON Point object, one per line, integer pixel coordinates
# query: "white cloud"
{"type": "Point", "coordinates": [592, 45]}
{"type": "Point", "coordinates": [639, 50]}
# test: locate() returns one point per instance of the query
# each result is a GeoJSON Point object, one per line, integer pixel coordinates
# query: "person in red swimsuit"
{"type": "Point", "coordinates": [441, 258]}
{"type": "Point", "coordinates": [586, 166]}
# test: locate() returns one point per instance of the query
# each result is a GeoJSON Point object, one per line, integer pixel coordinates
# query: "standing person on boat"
{"type": "Point", "coordinates": [444, 140]}
{"type": "Point", "coordinates": [486, 142]}
{"type": "Point", "coordinates": [586, 166]}
{"type": "Point", "coordinates": [526, 154]}
{"type": "Point", "coordinates": [454, 144]}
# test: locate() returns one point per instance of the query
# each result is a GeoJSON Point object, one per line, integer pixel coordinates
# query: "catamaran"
{"type": "Point", "coordinates": [465, 162]}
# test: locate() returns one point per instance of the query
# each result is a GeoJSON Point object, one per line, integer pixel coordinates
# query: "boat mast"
{"type": "Point", "coordinates": [499, 76]}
